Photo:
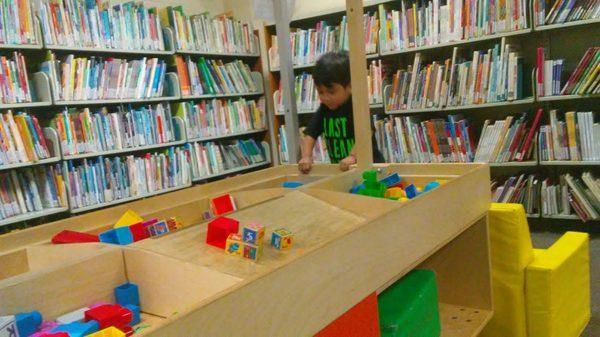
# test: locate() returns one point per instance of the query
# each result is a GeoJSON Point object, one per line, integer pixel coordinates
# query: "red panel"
{"type": "Point", "coordinates": [362, 320]}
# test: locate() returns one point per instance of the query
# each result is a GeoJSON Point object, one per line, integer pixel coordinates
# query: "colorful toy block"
{"type": "Point", "coordinates": [391, 180]}
{"type": "Point", "coordinates": [356, 188]}
{"type": "Point", "coordinates": [207, 215]}
{"type": "Point", "coordinates": [411, 191]}
{"type": "Point", "coordinates": [77, 329]}
{"type": "Point", "coordinates": [174, 223]}
{"type": "Point", "coordinates": [253, 234]}
{"type": "Point", "coordinates": [108, 332]}
{"type": "Point", "coordinates": [110, 315]}
{"type": "Point", "coordinates": [219, 229]}
{"type": "Point", "coordinates": [292, 184]}
{"type": "Point", "coordinates": [44, 330]}
{"type": "Point", "coordinates": [68, 236]}
{"type": "Point", "coordinates": [394, 193]}
{"type": "Point", "coordinates": [118, 236]}
{"type": "Point", "coordinates": [252, 252]}
{"type": "Point", "coordinates": [431, 185]}
{"type": "Point", "coordinates": [127, 294]}
{"type": "Point", "coordinates": [157, 229]}
{"type": "Point", "coordinates": [135, 312]}
{"type": "Point", "coordinates": [281, 238]}
{"type": "Point", "coordinates": [222, 204]}
{"type": "Point", "coordinates": [50, 334]}
{"type": "Point", "coordinates": [139, 232]}
{"type": "Point", "coordinates": [128, 218]}
{"type": "Point", "coordinates": [73, 316]}
{"type": "Point", "coordinates": [372, 188]}
{"type": "Point", "coordinates": [234, 245]}
{"type": "Point", "coordinates": [21, 324]}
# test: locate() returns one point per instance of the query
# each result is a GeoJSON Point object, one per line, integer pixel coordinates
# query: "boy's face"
{"type": "Point", "coordinates": [335, 95]}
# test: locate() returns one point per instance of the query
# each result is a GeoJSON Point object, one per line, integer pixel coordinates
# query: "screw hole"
{"type": "Point", "coordinates": [468, 321]}
{"type": "Point", "coordinates": [476, 311]}
{"type": "Point", "coordinates": [454, 317]}
{"type": "Point", "coordinates": [462, 309]}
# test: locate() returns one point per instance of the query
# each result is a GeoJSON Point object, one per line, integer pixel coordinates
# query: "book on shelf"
{"type": "Point", "coordinates": [585, 79]}
{"type": "Point", "coordinates": [507, 140]}
{"type": "Point", "coordinates": [572, 195]}
{"type": "Point", "coordinates": [31, 189]}
{"type": "Point", "coordinates": [412, 140]}
{"type": "Point", "coordinates": [523, 189]}
{"type": "Point", "coordinates": [319, 153]}
{"type": "Point", "coordinates": [429, 23]}
{"type": "Point", "coordinates": [85, 130]}
{"type": "Point", "coordinates": [492, 75]}
{"type": "Point", "coordinates": [14, 81]}
{"type": "Point", "coordinates": [577, 138]}
{"type": "Point", "coordinates": [96, 78]}
{"type": "Point", "coordinates": [549, 74]}
{"type": "Point", "coordinates": [307, 98]}
{"type": "Point", "coordinates": [21, 139]}
{"type": "Point", "coordinates": [96, 24]}
{"type": "Point", "coordinates": [375, 82]}
{"type": "Point", "coordinates": [562, 11]}
{"type": "Point", "coordinates": [213, 118]}
{"type": "Point", "coordinates": [17, 25]}
{"type": "Point", "coordinates": [103, 180]}
{"type": "Point", "coordinates": [212, 158]}
{"type": "Point", "coordinates": [213, 77]}
{"type": "Point", "coordinates": [203, 33]}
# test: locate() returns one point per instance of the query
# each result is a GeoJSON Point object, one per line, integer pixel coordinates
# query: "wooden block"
{"type": "Point", "coordinates": [281, 238]}
{"type": "Point", "coordinates": [253, 234]}
{"type": "Point", "coordinates": [234, 245]}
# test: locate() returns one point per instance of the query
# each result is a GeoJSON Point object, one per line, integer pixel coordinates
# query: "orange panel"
{"type": "Point", "coordinates": [362, 320]}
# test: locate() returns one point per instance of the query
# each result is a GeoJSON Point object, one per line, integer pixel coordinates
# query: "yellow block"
{"type": "Point", "coordinates": [558, 288]}
{"type": "Point", "coordinates": [128, 218]}
{"type": "Point", "coordinates": [511, 251]}
{"type": "Point", "coordinates": [108, 332]}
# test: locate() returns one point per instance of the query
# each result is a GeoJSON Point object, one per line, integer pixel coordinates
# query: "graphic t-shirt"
{"type": "Point", "coordinates": [337, 127]}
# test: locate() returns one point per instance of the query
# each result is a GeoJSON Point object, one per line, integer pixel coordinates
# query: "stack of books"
{"type": "Point", "coordinates": [508, 140]}
{"type": "Point", "coordinates": [16, 23]}
{"type": "Point", "coordinates": [31, 190]}
{"type": "Point", "coordinates": [97, 78]}
{"type": "Point", "coordinates": [549, 73]}
{"type": "Point", "coordinates": [523, 189]}
{"type": "Point", "coordinates": [428, 23]}
{"type": "Point", "coordinates": [102, 180]}
{"type": "Point", "coordinates": [307, 98]}
{"type": "Point", "coordinates": [375, 82]}
{"type": "Point", "coordinates": [82, 131]}
{"type": "Point", "coordinates": [494, 75]}
{"type": "Point", "coordinates": [319, 153]}
{"type": "Point", "coordinates": [572, 195]}
{"type": "Point", "coordinates": [371, 24]}
{"type": "Point", "coordinates": [96, 24]}
{"type": "Point", "coordinates": [201, 33]}
{"type": "Point", "coordinates": [213, 77]}
{"type": "Point", "coordinates": [216, 118]}
{"type": "Point", "coordinates": [14, 81]}
{"type": "Point", "coordinates": [209, 159]}
{"type": "Point", "coordinates": [409, 140]}
{"type": "Point", "coordinates": [21, 139]}
{"type": "Point", "coordinates": [561, 11]}
{"type": "Point", "coordinates": [585, 79]}
{"type": "Point", "coordinates": [577, 138]}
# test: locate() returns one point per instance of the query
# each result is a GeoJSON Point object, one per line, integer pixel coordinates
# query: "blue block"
{"type": "Point", "coordinates": [117, 236]}
{"type": "Point", "coordinates": [411, 191]}
{"type": "Point", "coordinates": [391, 180]}
{"type": "Point", "coordinates": [78, 329]}
{"type": "Point", "coordinates": [127, 294]}
{"type": "Point", "coordinates": [292, 184]}
{"type": "Point", "coordinates": [430, 186]}
{"type": "Point", "coordinates": [135, 314]}
{"type": "Point", "coordinates": [28, 322]}
{"type": "Point", "coordinates": [355, 189]}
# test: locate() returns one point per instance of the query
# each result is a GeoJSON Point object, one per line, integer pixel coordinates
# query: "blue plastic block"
{"type": "Point", "coordinates": [356, 188]}
{"type": "Point", "coordinates": [411, 191]}
{"type": "Point", "coordinates": [28, 322]}
{"type": "Point", "coordinates": [292, 184]}
{"type": "Point", "coordinates": [78, 329]}
{"type": "Point", "coordinates": [135, 314]}
{"type": "Point", "coordinates": [391, 180]}
{"type": "Point", "coordinates": [430, 186]}
{"type": "Point", "coordinates": [127, 294]}
{"type": "Point", "coordinates": [117, 236]}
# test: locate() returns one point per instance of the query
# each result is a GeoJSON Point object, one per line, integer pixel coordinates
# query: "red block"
{"type": "Point", "coordinates": [222, 204]}
{"type": "Point", "coordinates": [362, 320]}
{"type": "Point", "coordinates": [219, 229]}
{"type": "Point", "coordinates": [139, 232]}
{"type": "Point", "coordinates": [110, 315]}
{"type": "Point", "coordinates": [54, 334]}
{"type": "Point", "coordinates": [68, 236]}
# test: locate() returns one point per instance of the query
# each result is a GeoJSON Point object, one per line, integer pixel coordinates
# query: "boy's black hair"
{"type": "Point", "coordinates": [332, 68]}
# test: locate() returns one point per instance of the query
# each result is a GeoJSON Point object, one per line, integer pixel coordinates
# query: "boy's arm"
{"type": "Point", "coordinates": [308, 143]}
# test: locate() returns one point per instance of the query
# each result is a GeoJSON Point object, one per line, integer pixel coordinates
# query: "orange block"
{"type": "Point", "coordinates": [362, 320]}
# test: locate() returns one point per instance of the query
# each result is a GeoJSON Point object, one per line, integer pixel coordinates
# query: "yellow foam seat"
{"type": "Point", "coordinates": [558, 288]}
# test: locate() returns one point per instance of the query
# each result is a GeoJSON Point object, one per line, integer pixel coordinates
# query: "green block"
{"type": "Point", "coordinates": [409, 308]}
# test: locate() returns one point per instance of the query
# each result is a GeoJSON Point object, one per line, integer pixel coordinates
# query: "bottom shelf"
{"type": "Point", "coordinates": [237, 169]}
{"type": "Point", "coordinates": [460, 321]}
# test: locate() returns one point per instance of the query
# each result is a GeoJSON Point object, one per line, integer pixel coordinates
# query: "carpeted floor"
{"type": "Point", "coordinates": [545, 239]}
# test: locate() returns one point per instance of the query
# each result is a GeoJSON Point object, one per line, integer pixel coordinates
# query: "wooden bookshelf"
{"type": "Point", "coordinates": [98, 50]}
{"type": "Point", "coordinates": [30, 164]}
{"type": "Point", "coordinates": [32, 215]}
{"type": "Point", "coordinates": [566, 25]}
{"type": "Point", "coordinates": [229, 135]}
{"type": "Point", "coordinates": [565, 98]}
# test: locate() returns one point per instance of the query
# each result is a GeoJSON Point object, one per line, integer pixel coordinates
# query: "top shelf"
{"type": "Point", "coordinates": [21, 46]}
{"type": "Point", "coordinates": [208, 53]}
{"type": "Point", "coordinates": [109, 50]}
{"type": "Point", "coordinates": [567, 24]}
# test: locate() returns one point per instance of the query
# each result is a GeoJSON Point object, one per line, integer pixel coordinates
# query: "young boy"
{"type": "Point", "coordinates": [333, 119]}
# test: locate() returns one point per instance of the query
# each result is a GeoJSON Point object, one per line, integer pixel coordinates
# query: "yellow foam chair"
{"type": "Point", "coordinates": [526, 303]}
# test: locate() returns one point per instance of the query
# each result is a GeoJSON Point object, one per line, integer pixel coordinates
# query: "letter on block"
{"type": "Point", "coordinates": [281, 238]}
{"type": "Point", "coordinates": [253, 234]}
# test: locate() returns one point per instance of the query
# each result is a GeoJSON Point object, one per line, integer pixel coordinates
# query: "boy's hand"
{"type": "Point", "coordinates": [346, 162]}
{"type": "Point", "coordinates": [305, 164]}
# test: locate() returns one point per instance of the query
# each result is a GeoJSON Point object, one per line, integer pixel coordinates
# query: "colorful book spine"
{"type": "Point", "coordinates": [17, 24]}
{"type": "Point", "coordinates": [523, 189]}
{"type": "Point", "coordinates": [375, 82]}
{"type": "Point", "coordinates": [585, 79]}
{"type": "Point", "coordinates": [572, 195]}
{"type": "Point", "coordinates": [307, 98]}
{"type": "Point", "coordinates": [214, 158]}
{"type": "Point", "coordinates": [14, 80]}
{"type": "Point", "coordinates": [577, 138]}
{"type": "Point", "coordinates": [319, 153]}
{"type": "Point", "coordinates": [21, 139]}
{"type": "Point", "coordinates": [562, 11]}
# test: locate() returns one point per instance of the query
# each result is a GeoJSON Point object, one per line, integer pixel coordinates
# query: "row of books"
{"type": "Point", "coordinates": [212, 77]}
{"type": "Point", "coordinates": [96, 24]}
{"type": "Point", "coordinates": [319, 153]}
{"type": "Point", "coordinates": [307, 98]}
{"type": "Point", "coordinates": [94, 78]}
{"type": "Point", "coordinates": [102, 180]}
{"type": "Point", "coordinates": [428, 23]}
{"type": "Point", "coordinates": [577, 138]}
{"type": "Point", "coordinates": [585, 79]}
{"type": "Point", "coordinates": [16, 23]}
{"type": "Point", "coordinates": [220, 34]}
{"type": "Point", "coordinates": [549, 73]}
{"type": "Point", "coordinates": [212, 158]}
{"type": "Point", "coordinates": [523, 189]}
{"type": "Point", "coordinates": [572, 195]}
{"type": "Point", "coordinates": [375, 82]}
{"type": "Point", "coordinates": [21, 139]}
{"type": "Point", "coordinates": [561, 11]}
{"type": "Point", "coordinates": [371, 24]}
{"type": "Point", "coordinates": [494, 75]}
{"type": "Point", "coordinates": [215, 117]}
{"type": "Point", "coordinates": [14, 81]}
{"type": "Point", "coordinates": [83, 131]}
{"type": "Point", "coordinates": [31, 190]}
